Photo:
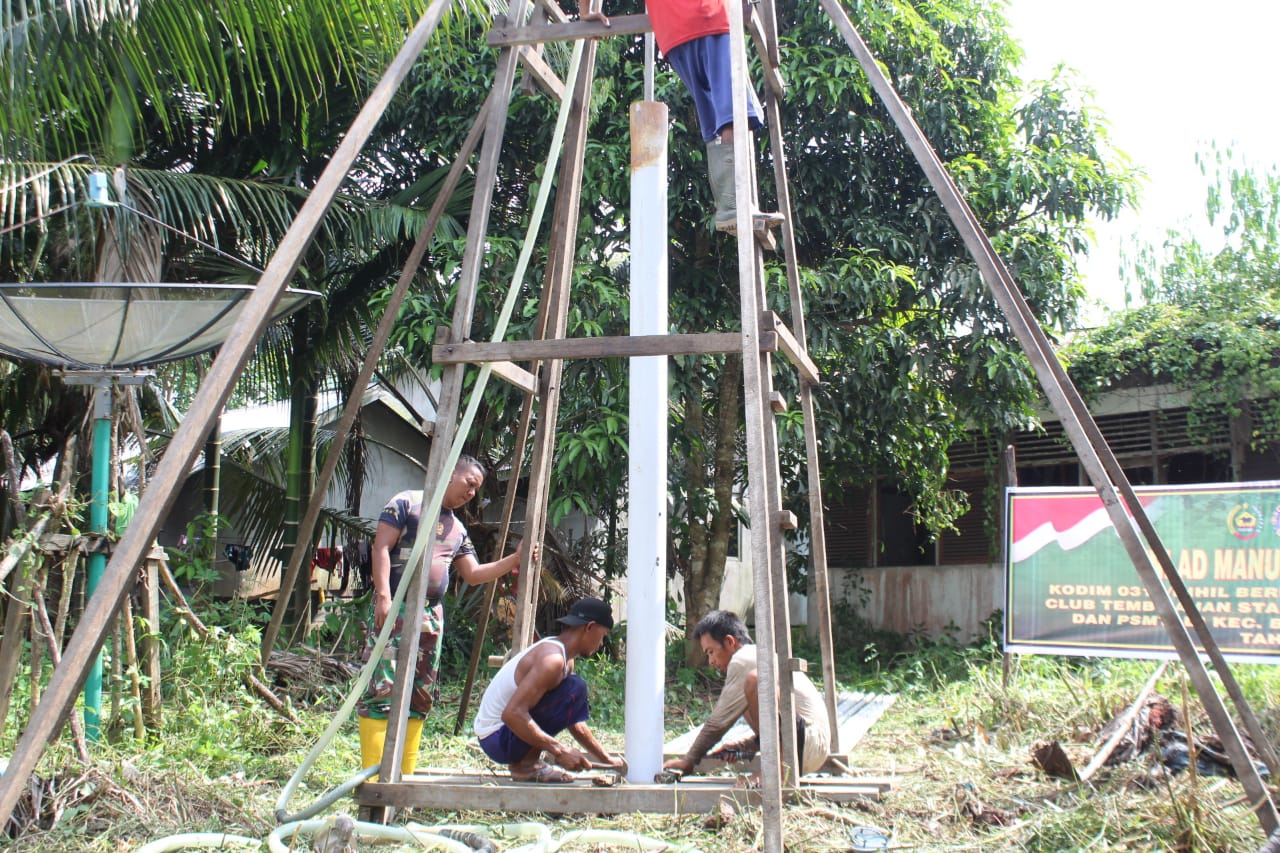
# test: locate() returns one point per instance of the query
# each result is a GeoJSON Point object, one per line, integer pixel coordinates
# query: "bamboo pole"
{"type": "Point", "coordinates": [16, 510]}
{"type": "Point", "coordinates": [152, 711]}
{"type": "Point", "coordinates": [77, 728]}
{"type": "Point", "coordinates": [135, 680]}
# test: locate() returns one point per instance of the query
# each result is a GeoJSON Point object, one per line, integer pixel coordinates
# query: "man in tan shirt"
{"type": "Point", "coordinates": [727, 644]}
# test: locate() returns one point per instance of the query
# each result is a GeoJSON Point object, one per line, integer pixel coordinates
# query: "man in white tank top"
{"type": "Point", "coordinates": [536, 695]}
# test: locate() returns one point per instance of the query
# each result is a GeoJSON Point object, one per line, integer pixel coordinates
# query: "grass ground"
{"type": "Point", "coordinates": [958, 742]}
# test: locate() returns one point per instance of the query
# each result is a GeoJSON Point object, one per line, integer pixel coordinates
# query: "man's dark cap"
{"type": "Point", "coordinates": [588, 610]}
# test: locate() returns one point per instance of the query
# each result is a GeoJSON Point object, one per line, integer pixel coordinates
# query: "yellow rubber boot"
{"type": "Point", "coordinates": [412, 738]}
{"type": "Point", "coordinates": [373, 734]}
{"type": "Point", "coordinates": [373, 738]}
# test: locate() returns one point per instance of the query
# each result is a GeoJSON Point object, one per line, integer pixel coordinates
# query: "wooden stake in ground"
{"type": "Point", "coordinates": [135, 682]}
{"type": "Point", "coordinates": [77, 727]}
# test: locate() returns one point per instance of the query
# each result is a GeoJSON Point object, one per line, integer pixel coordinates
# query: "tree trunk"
{"type": "Point", "coordinates": [301, 469]}
{"type": "Point", "coordinates": [709, 536]}
{"type": "Point", "coordinates": [212, 483]}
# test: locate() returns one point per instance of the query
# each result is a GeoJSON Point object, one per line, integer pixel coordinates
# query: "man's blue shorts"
{"type": "Point", "coordinates": [704, 67]}
{"type": "Point", "coordinates": [561, 707]}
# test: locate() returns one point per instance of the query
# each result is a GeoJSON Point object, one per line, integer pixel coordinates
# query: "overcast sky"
{"type": "Point", "coordinates": [1170, 76]}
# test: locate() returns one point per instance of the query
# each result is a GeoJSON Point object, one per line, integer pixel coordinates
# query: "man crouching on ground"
{"type": "Point", "coordinates": [536, 695]}
{"type": "Point", "coordinates": [728, 647]}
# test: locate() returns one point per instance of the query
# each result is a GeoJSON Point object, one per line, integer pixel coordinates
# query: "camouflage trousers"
{"type": "Point", "coordinates": [377, 696]}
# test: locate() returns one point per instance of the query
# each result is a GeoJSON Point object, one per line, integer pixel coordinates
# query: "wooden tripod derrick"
{"type": "Point", "coordinates": [762, 335]}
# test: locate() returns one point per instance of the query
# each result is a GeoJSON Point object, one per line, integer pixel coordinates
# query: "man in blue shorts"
{"type": "Point", "coordinates": [694, 37]}
{"type": "Point", "coordinates": [536, 695]}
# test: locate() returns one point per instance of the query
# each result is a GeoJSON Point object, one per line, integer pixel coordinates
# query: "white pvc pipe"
{"type": "Point", "coordinates": [647, 469]}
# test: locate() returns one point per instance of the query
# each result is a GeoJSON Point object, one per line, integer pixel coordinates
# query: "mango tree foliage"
{"type": "Point", "coordinates": [912, 348]}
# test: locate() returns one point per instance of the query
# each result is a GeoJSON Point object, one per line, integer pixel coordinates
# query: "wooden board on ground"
{"type": "Point", "coordinates": [856, 713]}
{"type": "Point", "coordinates": [491, 792]}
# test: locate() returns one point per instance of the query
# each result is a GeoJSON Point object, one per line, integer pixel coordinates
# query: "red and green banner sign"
{"type": "Point", "coordinates": [1070, 587]}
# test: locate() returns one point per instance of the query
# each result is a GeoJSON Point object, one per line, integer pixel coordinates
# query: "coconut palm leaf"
{"type": "Point", "coordinates": [255, 504]}
{"type": "Point", "coordinates": [241, 218]}
{"type": "Point", "coordinates": [176, 65]}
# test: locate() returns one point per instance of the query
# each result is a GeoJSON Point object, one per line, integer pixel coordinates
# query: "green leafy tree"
{"type": "Point", "coordinates": [912, 348]}
{"type": "Point", "coordinates": [1212, 323]}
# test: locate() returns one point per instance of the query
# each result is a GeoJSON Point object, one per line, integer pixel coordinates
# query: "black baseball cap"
{"type": "Point", "coordinates": [588, 610]}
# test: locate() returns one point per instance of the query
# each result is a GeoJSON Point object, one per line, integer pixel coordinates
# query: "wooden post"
{"type": "Point", "coordinates": [17, 608]}
{"type": "Point", "coordinates": [152, 709]}
{"type": "Point", "coordinates": [450, 399]}
{"type": "Point", "coordinates": [356, 396]}
{"type": "Point", "coordinates": [1010, 479]}
{"type": "Point", "coordinates": [556, 290]}
{"type": "Point", "coordinates": [762, 489]}
{"type": "Point", "coordinates": [821, 591]}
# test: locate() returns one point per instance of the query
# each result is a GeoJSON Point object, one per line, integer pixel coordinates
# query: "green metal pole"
{"type": "Point", "coordinates": [98, 530]}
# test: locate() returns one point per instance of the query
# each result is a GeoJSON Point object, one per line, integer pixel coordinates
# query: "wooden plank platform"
{"type": "Point", "coordinates": [487, 791]}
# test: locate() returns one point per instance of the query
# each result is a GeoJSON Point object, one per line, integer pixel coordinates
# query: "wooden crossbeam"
{"type": "Point", "coordinates": [474, 352]}
{"type": "Point", "coordinates": [517, 376]}
{"type": "Point", "coordinates": [541, 73]}
{"type": "Point", "coordinates": [790, 347]}
{"type": "Point", "coordinates": [622, 25]}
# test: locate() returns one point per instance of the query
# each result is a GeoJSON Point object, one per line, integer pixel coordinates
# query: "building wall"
{"type": "Point", "coordinates": [923, 599]}
{"type": "Point", "coordinates": [920, 585]}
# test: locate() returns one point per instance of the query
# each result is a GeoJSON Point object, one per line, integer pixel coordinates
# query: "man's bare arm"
{"type": "Point", "coordinates": [387, 537]}
{"type": "Point", "coordinates": [582, 734]}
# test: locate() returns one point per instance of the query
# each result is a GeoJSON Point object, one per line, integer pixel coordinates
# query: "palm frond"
{"type": "Point", "coordinates": [242, 218]}
{"type": "Point", "coordinates": [234, 61]}
{"type": "Point", "coordinates": [255, 504]}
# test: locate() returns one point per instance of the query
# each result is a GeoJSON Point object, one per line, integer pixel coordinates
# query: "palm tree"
{"type": "Point", "coordinates": [214, 119]}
